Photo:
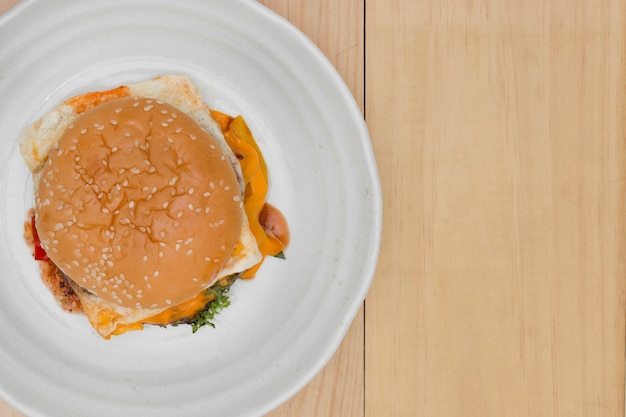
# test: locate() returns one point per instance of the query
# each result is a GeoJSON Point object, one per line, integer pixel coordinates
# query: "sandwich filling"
{"type": "Point", "coordinates": [145, 198]}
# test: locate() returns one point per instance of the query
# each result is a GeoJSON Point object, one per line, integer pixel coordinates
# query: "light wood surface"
{"type": "Point", "coordinates": [501, 285]}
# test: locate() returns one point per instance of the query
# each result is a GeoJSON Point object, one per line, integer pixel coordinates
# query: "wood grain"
{"type": "Point", "coordinates": [498, 131]}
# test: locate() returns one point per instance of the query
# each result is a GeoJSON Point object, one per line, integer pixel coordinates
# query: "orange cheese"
{"type": "Point", "coordinates": [243, 145]}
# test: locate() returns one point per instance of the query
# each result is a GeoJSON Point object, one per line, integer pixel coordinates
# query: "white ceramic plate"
{"type": "Point", "coordinates": [283, 326]}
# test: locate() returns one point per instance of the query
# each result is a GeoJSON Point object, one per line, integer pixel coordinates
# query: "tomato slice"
{"type": "Point", "coordinates": [40, 254]}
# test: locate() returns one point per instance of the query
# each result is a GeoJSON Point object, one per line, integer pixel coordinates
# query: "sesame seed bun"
{"type": "Point", "coordinates": [139, 205]}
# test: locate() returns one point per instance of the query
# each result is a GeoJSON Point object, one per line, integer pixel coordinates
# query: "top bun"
{"type": "Point", "coordinates": [138, 204]}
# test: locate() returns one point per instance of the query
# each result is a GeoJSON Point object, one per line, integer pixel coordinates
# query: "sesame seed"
{"type": "Point", "coordinates": [190, 252]}
{"type": "Point", "coordinates": [164, 124]}
{"type": "Point", "coordinates": [164, 111]}
{"type": "Point", "coordinates": [178, 130]}
{"type": "Point", "coordinates": [173, 180]}
{"type": "Point", "coordinates": [170, 140]}
{"type": "Point", "coordinates": [113, 122]}
{"type": "Point", "coordinates": [145, 258]}
{"type": "Point", "coordinates": [168, 301]}
{"type": "Point", "coordinates": [177, 247]}
{"type": "Point", "coordinates": [191, 190]}
{"type": "Point", "coordinates": [207, 194]}
{"type": "Point", "coordinates": [148, 108]}
{"type": "Point", "coordinates": [165, 204]}
{"type": "Point", "coordinates": [156, 274]}
{"type": "Point", "coordinates": [192, 137]}
{"type": "Point", "coordinates": [83, 131]}
{"type": "Point", "coordinates": [118, 110]}
{"type": "Point", "coordinates": [190, 206]}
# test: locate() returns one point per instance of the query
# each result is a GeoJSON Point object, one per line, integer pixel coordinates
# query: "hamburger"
{"type": "Point", "coordinates": [148, 204]}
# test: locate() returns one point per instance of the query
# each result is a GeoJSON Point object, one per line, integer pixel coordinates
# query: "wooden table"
{"type": "Point", "coordinates": [498, 130]}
